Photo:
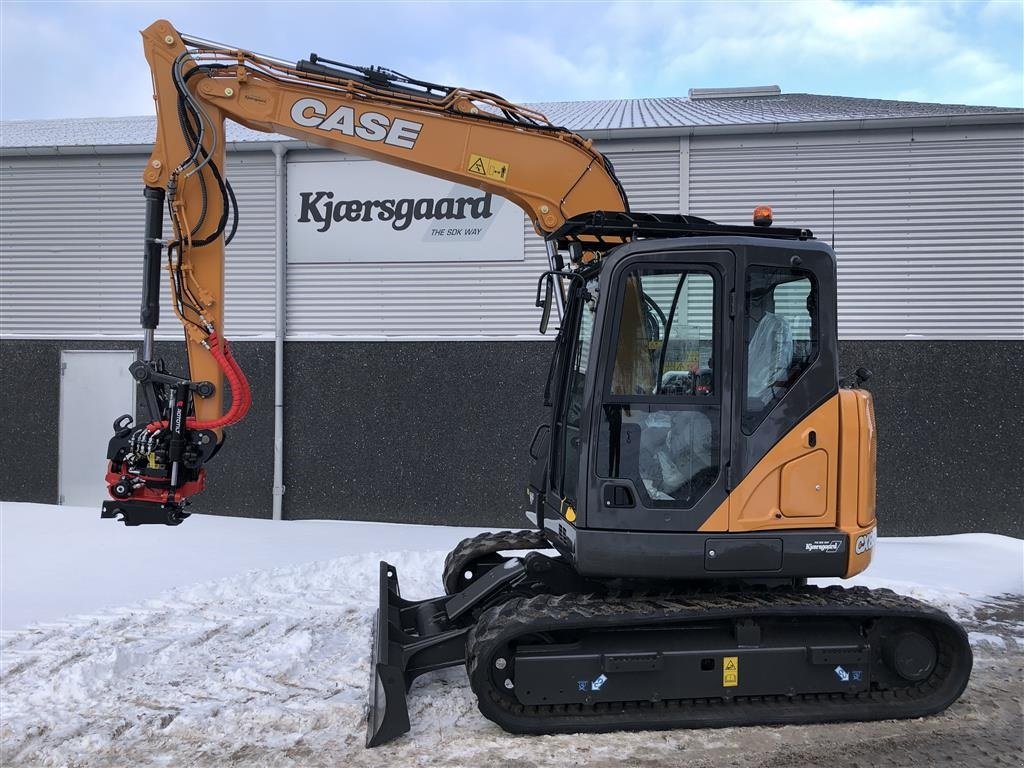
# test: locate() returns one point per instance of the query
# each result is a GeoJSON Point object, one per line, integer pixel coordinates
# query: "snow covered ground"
{"type": "Point", "coordinates": [63, 560]}
{"type": "Point", "coordinates": [245, 642]}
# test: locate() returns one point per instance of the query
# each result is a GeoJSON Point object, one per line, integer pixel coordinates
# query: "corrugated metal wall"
{"type": "Point", "coordinates": [71, 242]}
{"type": "Point", "coordinates": [929, 224]}
{"type": "Point", "coordinates": [929, 232]}
{"type": "Point", "coordinates": [71, 233]}
{"type": "Point", "coordinates": [493, 300]}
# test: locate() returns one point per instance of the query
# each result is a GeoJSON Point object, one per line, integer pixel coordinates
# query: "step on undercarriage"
{"type": "Point", "coordinates": [550, 652]}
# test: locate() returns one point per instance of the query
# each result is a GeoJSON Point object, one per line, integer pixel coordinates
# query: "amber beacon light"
{"type": "Point", "coordinates": [763, 216]}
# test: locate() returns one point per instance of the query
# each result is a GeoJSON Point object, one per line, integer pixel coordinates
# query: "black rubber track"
{"type": "Point", "coordinates": [499, 627]}
{"type": "Point", "coordinates": [469, 551]}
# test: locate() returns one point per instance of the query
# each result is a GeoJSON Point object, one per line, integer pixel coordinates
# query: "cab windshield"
{"type": "Point", "coordinates": [660, 426]}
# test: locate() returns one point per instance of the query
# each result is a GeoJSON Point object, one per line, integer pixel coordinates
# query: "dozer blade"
{"type": "Point", "coordinates": [387, 715]}
{"type": "Point", "coordinates": [411, 637]}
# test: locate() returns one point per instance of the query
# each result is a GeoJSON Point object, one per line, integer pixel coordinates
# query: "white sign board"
{"type": "Point", "coordinates": [360, 211]}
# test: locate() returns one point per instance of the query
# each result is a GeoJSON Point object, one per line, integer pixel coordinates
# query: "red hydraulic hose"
{"type": "Point", "coordinates": [246, 392]}
{"type": "Point", "coordinates": [241, 394]}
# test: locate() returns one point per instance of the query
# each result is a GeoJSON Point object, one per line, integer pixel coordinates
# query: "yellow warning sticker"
{"type": "Point", "coordinates": [730, 671]}
{"type": "Point", "coordinates": [488, 167]}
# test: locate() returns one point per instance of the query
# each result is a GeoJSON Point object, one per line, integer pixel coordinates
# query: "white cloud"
{"type": "Point", "coordinates": [55, 69]}
{"type": "Point", "coordinates": [1002, 11]}
{"type": "Point", "coordinates": [86, 59]}
{"type": "Point", "coordinates": [934, 48]}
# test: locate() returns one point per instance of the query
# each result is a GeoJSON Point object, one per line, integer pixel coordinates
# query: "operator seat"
{"type": "Point", "coordinates": [769, 349]}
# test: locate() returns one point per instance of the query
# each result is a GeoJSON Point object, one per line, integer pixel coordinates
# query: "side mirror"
{"type": "Point", "coordinates": [539, 444]}
{"type": "Point", "coordinates": [545, 304]}
{"type": "Point", "coordinates": [860, 376]}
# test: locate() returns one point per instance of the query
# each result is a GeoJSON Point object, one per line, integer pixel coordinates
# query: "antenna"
{"type": "Point", "coordinates": [833, 218]}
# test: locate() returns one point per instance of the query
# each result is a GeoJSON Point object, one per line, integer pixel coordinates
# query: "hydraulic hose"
{"type": "Point", "coordinates": [241, 394]}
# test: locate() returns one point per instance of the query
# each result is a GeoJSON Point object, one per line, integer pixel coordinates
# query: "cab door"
{"type": "Point", "coordinates": [573, 372]}
{"type": "Point", "coordinates": [662, 414]}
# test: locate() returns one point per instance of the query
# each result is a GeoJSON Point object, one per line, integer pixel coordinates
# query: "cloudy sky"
{"type": "Point", "coordinates": [85, 59]}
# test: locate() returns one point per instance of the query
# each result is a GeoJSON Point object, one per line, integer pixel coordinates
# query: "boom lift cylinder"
{"type": "Point", "coordinates": [151, 258]}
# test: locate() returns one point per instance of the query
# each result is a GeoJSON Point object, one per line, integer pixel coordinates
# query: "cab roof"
{"type": "Point", "coordinates": [602, 230]}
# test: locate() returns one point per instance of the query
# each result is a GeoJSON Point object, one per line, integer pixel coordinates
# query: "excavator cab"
{"type": "Point", "coordinates": [683, 358]}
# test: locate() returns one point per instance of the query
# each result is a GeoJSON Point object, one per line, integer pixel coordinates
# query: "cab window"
{"type": "Point", "coordinates": [780, 336]}
{"type": "Point", "coordinates": [661, 421]}
{"type": "Point", "coordinates": [665, 337]}
{"type": "Point", "coordinates": [579, 364]}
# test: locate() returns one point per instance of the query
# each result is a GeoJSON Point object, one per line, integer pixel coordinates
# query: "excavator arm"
{"type": "Point", "coordinates": [469, 137]}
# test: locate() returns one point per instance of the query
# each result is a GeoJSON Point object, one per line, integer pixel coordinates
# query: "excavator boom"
{"type": "Point", "coordinates": [465, 136]}
{"type": "Point", "coordinates": [468, 137]}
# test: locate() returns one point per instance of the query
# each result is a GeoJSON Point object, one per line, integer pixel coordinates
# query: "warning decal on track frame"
{"type": "Point", "coordinates": [488, 167]}
{"type": "Point", "coordinates": [730, 671]}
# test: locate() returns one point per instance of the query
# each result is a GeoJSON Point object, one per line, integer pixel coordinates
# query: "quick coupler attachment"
{"type": "Point", "coordinates": [153, 468]}
{"type": "Point", "coordinates": [143, 512]}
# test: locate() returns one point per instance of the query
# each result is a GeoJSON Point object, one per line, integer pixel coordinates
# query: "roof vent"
{"type": "Point", "coordinates": [744, 92]}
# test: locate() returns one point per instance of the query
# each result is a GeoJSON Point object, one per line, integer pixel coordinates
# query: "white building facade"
{"type": "Point", "coordinates": [414, 370]}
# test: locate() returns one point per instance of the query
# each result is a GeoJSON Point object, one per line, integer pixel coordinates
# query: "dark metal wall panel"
{"type": "Point", "coordinates": [438, 432]}
{"type": "Point", "coordinates": [433, 432]}
{"type": "Point", "coordinates": [928, 224]}
{"type": "Point", "coordinates": [30, 377]}
{"type": "Point", "coordinates": [950, 420]}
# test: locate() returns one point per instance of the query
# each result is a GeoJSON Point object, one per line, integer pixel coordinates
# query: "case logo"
{"type": "Point", "coordinates": [866, 542]}
{"type": "Point", "coordinates": [368, 126]}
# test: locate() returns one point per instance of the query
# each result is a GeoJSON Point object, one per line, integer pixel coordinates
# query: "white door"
{"type": "Point", "coordinates": [95, 388]}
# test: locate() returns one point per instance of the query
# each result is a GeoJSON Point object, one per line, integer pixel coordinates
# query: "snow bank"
{"type": "Point", "coordinates": [953, 572]}
{"type": "Point", "coordinates": [58, 561]}
{"type": "Point", "coordinates": [264, 668]}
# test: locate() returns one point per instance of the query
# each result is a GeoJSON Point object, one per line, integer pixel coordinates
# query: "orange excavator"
{"type": "Point", "coordinates": [702, 460]}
